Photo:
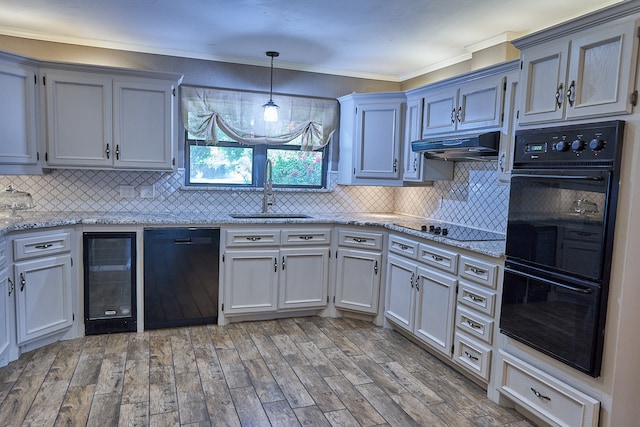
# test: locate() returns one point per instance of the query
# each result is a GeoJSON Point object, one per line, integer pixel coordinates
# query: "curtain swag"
{"type": "Point", "coordinates": [208, 111]}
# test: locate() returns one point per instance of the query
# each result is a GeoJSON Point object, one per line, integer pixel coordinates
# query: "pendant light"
{"type": "Point", "coordinates": [270, 108]}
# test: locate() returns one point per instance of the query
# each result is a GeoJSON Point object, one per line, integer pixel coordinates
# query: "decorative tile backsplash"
{"type": "Point", "coordinates": [473, 198]}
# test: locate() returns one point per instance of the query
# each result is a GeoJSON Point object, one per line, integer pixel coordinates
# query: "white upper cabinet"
{"type": "Point", "coordinates": [18, 119]}
{"type": "Point", "coordinates": [464, 106]}
{"type": "Point", "coordinates": [109, 121]}
{"type": "Point", "coordinates": [589, 73]}
{"type": "Point", "coordinates": [371, 139]}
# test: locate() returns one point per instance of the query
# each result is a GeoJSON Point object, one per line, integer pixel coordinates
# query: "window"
{"type": "Point", "coordinates": [231, 164]}
{"type": "Point", "coordinates": [228, 142]}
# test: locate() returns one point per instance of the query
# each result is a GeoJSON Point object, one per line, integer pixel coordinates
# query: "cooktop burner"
{"type": "Point", "coordinates": [454, 232]}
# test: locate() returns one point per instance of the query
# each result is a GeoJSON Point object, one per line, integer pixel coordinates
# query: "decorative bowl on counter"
{"type": "Point", "coordinates": [12, 200]}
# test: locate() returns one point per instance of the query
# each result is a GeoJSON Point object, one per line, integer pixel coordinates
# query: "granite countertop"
{"type": "Point", "coordinates": [36, 220]}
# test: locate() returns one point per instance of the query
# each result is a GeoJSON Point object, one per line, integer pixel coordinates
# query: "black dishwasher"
{"type": "Point", "coordinates": [180, 276]}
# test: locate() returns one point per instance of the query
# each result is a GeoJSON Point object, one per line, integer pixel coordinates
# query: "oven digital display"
{"type": "Point", "coordinates": [536, 147]}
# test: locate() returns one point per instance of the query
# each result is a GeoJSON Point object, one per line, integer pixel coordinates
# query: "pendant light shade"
{"type": "Point", "coordinates": [270, 108]}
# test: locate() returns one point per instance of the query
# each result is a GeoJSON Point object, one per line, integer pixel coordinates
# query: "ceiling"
{"type": "Point", "coordinates": [381, 39]}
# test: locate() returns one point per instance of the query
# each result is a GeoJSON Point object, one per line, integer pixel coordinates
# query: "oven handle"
{"type": "Point", "coordinates": [592, 178]}
{"type": "Point", "coordinates": [549, 282]}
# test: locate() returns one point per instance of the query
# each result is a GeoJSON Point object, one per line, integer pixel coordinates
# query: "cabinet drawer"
{"type": "Point", "coordinates": [547, 397]}
{"type": "Point", "coordinates": [247, 237]}
{"type": "Point", "coordinates": [475, 324]}
{"type": "Point", "coordinates": [472, 355]}
{"type": "Point", "coordinates": [439, 258]}
{"type": "Point", "coordinates": [41, 245]}
{"type": "Point", "coordinates": [306, 236]}
{"type": "Point", "coordinates": [479, 271]}
{"type": "Point", "coordinates": [360, 239]}
{"type": "Point", "coordinates": [479, 299]}
{"type": "Point", "coordinates": [402, 246]}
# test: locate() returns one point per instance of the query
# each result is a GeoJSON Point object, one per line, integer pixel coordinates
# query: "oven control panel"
{"type": "Point", "coordinates": [596, 142]}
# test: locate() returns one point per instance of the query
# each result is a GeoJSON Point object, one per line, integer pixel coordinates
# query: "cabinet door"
{"type": "Point", "coordinates": [358, 280]}
{"type": "Point", "coordinates": [401, 274]}
{"type": "Point", "coordinates": [378, 141]}
{"type": "Point", "coordinates": [542, 89]}
{"type": "Point", "coordinates": [7, 291]}
{"type": "Point", "coordinates": [480, 103]}
{"type": "Point", "coordinates": [79, 119]}
{"type": "Point", "coordinates": [435, 306]}
{"type": "Point", "coordinates": [439, 112]}
{"type": "Point", "coordinates": [412, 161]}
{"type": "Point", "coordinates": [602, 72]}
{"type": "Point", "coordinates": [18, 139]}
{"type": "Point", "coordinates": [304, 277]}
{"type": "Point", "coordinates": [43, 297]}
{"type": "Point", "coordinates": [143, 125]}
{"type": "Point", "coordinates": [250, 281]}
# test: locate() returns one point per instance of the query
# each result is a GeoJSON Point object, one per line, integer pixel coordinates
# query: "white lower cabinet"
{"type": "Point", "coordinates": [550, 399]}
{"type": "Point", "coordinates": [358, 270]}
{"type": "Point", "coordinates": [262, 276]}
{"type": "Point", "coordinates": [421, 301]}
{"type": "Point", "coordinates": [43, 297]}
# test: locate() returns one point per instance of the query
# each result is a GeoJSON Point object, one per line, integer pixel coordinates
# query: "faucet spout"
{"type": "Point", "coordinates": [268, 198]}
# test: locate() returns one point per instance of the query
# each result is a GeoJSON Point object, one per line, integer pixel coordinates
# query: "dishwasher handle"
{"type": "Point", "coordinates": [182, 241]}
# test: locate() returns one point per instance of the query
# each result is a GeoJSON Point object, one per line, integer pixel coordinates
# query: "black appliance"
{"type": "Point", "coordinates": [180, 277]}
{"type": "Point", "coordinates": [469, 147]}
{"type": "Point", "coordinates": [109, 282]}
{"type": "Point", "coordinates": [562, 207]}
{"type": "Point", "coordinates": [457, 232]}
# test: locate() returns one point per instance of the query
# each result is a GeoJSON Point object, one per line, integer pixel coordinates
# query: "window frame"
{"type": "Point", "coordinates": [258, 165]}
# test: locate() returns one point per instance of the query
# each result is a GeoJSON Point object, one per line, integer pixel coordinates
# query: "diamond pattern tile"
{"type": "Point", "coordinates": [473, 198]}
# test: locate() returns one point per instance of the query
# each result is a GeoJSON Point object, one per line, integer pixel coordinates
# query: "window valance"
{"type": "Point", "coordinates": [239, 115]}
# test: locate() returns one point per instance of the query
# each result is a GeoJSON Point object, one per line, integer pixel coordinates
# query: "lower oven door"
{"type": "Point", "coordinates": [554, 314]}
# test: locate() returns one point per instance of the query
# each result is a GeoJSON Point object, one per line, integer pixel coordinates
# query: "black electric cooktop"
{"type": "Point", "coordinates": [453, 231]}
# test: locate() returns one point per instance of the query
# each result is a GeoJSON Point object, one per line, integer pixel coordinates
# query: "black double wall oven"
{"type": "Point", "coordinates": [561, 219]}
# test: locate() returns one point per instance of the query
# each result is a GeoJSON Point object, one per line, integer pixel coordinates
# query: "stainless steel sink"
{"type": "Point", "coordinates": [267, 215]}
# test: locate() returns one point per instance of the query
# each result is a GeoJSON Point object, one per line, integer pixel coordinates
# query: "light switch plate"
{"type": "Point", "coordinates": [127, 191]}
{"type": "Point", "coordinates": [147, 191]}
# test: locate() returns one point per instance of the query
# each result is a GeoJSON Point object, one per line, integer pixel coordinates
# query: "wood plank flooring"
{"type": "Point", "coordinates": [303, 371]}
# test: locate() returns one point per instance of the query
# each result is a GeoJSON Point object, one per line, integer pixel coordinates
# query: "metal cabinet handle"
{"type": "Point", "coordinates": [459, 115]}
{"type": "Point", "coordinates": [11, 287]}
{"type": "Point", "coordinates": [415, 164]}
{"type": "Point", "coordinates": [559, 93]}
{"type": "Point", "coordinates": [305, 237]}
{"type": "Point", "coordinates": [375, 268]}
{"type": "Point", "coordinates": [107, 151]}
{"type": "Point", "coordinates": [403, 247]}
{"type": "Point", "coordinates": [275, 264]}
{"type": "Point", "coordinates": [437, 258]}
{"type": "Point", "coordinates": [471, 356]}
{"type": "Point", "coordinates": [475, 298]}
{"type": "Point", "coordinates": [571, 93]}
{"type": "Point", "coordinates": [359, 240]}
{"type": "Point", "coordinates": [411, 280]}
{"type": "Point", "coordinates": [253, 238]}
{"type": "Point", "coordinates": [23, 282]}
{"type": "Point", "coordinates": [453, 116]}
{"type": "Point", "coordinates": [472, 324]}
{"type": "Point", "coordinates": [539, 395]}
{"type": "Point", "coordinates": [44, 246]}
{"type": "Point", "coordinates": [477, 271]}
{"type": "Point", "coordinates": [395, 165]}
{"type": "Point", "coordinates": [118, 152]}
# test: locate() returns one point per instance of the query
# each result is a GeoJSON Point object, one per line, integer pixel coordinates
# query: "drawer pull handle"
{"type": "Point", "coordinates": [539, 395]}
{"type": "Point", "coordinates": [403, 247]}
{"type": "Point", "coordinates": [471, 356]}
{"type": "Point", "coordinates": [478, 271]}
{"type": "Point", "coordinates": [475, 298]}
{"type": "Point", "coordinates": [473, 324]}
{"type": "Point", "coordinates": [253, 238]}
{"type": "Point", "coordinates": [22, 282]}
{"type": "Point", "coordinates": [305, 237]}
{"type": "Point", "coordinates": [44, 246]}
{"type": "Point", "coordinates": [375, 268]}
{"type": "Point", "coordinates": [359, 240]}
{"type": "Point", "coordinates": [437, 258]}
{"type": "Point", "coordinates": [11, 287]}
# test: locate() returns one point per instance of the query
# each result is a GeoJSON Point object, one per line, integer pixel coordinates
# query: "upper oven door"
{"type": "Point", "coordinates": [558, 221]}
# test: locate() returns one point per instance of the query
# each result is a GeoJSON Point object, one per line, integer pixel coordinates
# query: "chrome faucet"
{"type": "Point", "coordinates": [268, 198]}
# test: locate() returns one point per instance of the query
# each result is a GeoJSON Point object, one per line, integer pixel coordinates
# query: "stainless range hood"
{"type": "Point", "coordinates": [464, 148]}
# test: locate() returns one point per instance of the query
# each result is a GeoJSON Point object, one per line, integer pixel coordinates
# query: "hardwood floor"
{"type": "Point", "coordinates": [302, 371]}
